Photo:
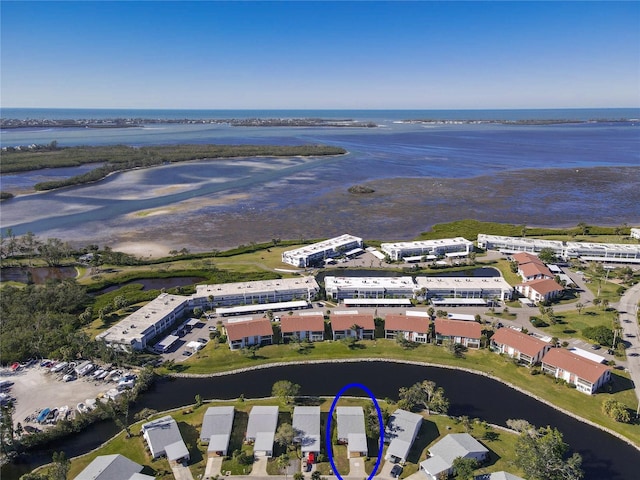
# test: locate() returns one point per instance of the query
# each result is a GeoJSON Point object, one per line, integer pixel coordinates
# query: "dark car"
{"type": "Point", "coordinates": [396, 471]}
{"type": "Point", "coordinates": [595, 347]}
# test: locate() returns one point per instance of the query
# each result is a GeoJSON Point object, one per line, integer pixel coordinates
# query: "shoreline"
{"type": "Point", "coordinates": [416, 363]}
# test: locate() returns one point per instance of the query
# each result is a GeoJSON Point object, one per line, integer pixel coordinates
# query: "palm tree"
{"type": "Point", "coordinates": [283, 462]}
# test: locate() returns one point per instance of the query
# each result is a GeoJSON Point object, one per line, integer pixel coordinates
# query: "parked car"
{"type": "Point", "coordinates": [595, 347]}
{"type": "Point", "coordinates": [186, 353]}
{"type": "Point", "coordinates": [396, 471]}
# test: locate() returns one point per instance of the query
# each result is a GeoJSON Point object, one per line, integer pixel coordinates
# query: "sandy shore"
{"type": "Point", "coordinates": [143, 249]}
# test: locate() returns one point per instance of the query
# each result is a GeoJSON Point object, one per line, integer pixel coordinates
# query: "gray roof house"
{"type": "Point", "coordinates": [499, 476]}
{"type": "Point", "coordinates": [452, 446]}
{"type": "Point", "coordinates": [261, 429]}
{"type": "Point", "coordinates": [401, 431]}
{"type": "Point", "coordinates": [216, 430]}
{"type": "Point", "coordinates": [112, 467]}
{"type": "Point", "coordinates": [306, 424]}
{"type": "Point", "coordinates": [164, 438]}
{"type": "Point", "coordinates": [351, 430]}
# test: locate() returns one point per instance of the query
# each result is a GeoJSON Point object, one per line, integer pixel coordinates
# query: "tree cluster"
{"type": "Point", "coordinates": [425, 394]}
{"type": "Point", "coordinates": [616, 410]}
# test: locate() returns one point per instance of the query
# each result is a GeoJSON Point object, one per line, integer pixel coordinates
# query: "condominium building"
{"type": "Point", "coordinates": [261, 291]}
{"type": "Point", "coordinates": [316, 253]}
{"type": "Point", "coordinates": [136, 330]}
{"type": "Point", "coordinates": [339, 288]}
{"type": "Point", "coordinates": [454, 246]}
{"type": "Point", "coordinates": [464, 287]}
{"type": "Point", "coordinates": [635, 233]}
{"type": "Point", "coordinates": [603, 252]}
{"type": "Point", "coordinates": [518, 244]}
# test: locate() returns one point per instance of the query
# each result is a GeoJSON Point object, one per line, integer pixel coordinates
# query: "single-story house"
{"type": "Point", "coordinates": [588, 376]}
{"type": "Point", "coordinates": [261, 429]}
{"type": "Point", "coordinates": [458, 331]}
{"type": "Point", "coordinates": [113, 467]}
{"type": "Point", "coordinates": [351, 430]}
{"type": "Point", "coordinates": [444, 452]}
{"type": "Point", "coordinates": [216, 430]}
{"type": "Point", "coordinates": [541, 290]}
{"type": "Point", "coordinates": [247, 333]}
{"type": "Point", "coordinates": [498, 476]}
{"type": "Point", "coordinates": [412, 328]}
{"type": "Point", "coordinates": [163, 438]}
{"type": "Point", "coordinates": [303, 327]}
{"type": "Point", "coordinates": [306, 424]}
{"type": "Point", "coordinates": [341, 326]}
{"type": "Point", "coordinates": [402, 429]}
{"type": "Point", "coordinates": [524, 348]}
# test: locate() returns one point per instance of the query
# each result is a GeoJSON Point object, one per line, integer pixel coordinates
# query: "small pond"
{"type": "Point", "coordinates": [37, 275]}
{"type": "Point", "coordinates": [155, 283]}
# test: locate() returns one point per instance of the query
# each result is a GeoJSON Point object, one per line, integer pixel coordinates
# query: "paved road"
{"type": "Point", "coordinates": [628, 308]}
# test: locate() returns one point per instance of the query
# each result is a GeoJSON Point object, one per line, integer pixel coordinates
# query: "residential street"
{"type": "Point", "coordinates": [628, 308]}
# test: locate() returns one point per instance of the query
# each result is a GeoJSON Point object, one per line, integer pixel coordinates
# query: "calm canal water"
{"type": "Point", "coordinates": [604, 455]}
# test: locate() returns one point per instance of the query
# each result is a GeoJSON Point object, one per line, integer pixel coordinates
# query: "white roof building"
{"type": "Point", "coordinates": [351, 430]}
{"type": "Point", "coordinates": [604, 252]}
{"type": "Point", "coordinates": [135, 330]}
{"type": "Point", "coordinates": [465, 287]}
{"type": "Point", "coordinates": [452, 446]}
{"type": "Point", "coordinates": [340, 288]}
{"type": "Point", "coordinates": [260, 291]}
{"type": "Point", "coordinates": [399, 250]}
{"type": "Point", "coordinates": [635, 233]}
{"type": "Point", "coordinates": [216, 429]}
{"type": "Point", "coordinates": [112, 467]}
{"type": "Point", "coordinates": [306, 424]}
{"type": "Point", "coordinates": [518, 244]}
{"type": "Point", "coordinates": [401, 431]}
{"type": "Point", "coordinates": [261, 429]}
{"type": "Point", "coordinates": [163, 438]}
{"type": "Point", "coordinates": [316, 253]}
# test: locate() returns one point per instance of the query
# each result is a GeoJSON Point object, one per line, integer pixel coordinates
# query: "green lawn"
{"type": "Point", "coordinates": [570, 324]}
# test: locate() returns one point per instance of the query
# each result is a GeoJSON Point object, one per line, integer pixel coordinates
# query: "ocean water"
{"type": "Point", "coordinates": [494, 166]}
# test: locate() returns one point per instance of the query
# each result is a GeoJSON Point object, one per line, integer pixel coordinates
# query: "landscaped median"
{"type": "Point", "coordinates": [218, 360]}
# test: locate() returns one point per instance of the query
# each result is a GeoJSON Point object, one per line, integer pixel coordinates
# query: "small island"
{"type": "Point", "coordinates": [360, 189]}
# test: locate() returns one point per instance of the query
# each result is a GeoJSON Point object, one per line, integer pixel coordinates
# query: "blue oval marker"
{"type": "Point", "coordinates": [327, 436]}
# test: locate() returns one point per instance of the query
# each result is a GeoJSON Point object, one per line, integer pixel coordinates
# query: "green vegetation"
{"type": "Point", "coordinates": [470, 229]}
{"type": "Point", "coordinates": [121, 157]}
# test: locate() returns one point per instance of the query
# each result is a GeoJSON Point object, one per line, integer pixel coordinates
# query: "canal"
{"type": "Point", "coordinates": [604, 456]}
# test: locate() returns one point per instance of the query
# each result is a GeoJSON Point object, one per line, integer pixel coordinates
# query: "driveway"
{"type": "Point", "coordinates": [259, 468]}
{"type": "Point", "coordinates": [213, 468]}
{"type": "Point", "coordinates": [356, 468]}
{"type": "Point", "coordinates": [180, 472]}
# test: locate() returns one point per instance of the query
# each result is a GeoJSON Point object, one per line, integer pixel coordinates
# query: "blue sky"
{"type": "Point", "coordinates": [364, 55]}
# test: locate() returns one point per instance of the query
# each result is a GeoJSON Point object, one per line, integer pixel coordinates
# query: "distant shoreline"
{"type": "Point", "coordinates": [15, 124]}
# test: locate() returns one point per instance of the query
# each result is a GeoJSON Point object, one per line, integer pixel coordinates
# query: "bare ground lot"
{"type": "Point", "coordinates": [35, 389]}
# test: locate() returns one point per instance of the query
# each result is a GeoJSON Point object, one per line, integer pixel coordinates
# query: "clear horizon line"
{"type": "Point", "coordinates": [322, 108]}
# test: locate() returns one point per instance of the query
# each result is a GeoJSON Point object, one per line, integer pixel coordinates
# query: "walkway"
{"type": "Point", "coordinates": [214, 467]}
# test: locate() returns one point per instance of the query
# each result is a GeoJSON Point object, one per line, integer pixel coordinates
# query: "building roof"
{"type": "Point", "coordinates": [110, 467]}
{"type": "Point", "coordinates": [350, 420]}
{"type": "Point", "coordinates": [434, 466]}
{"type": "Point", "coordinates": [302, 323]}
{"type": "Point", "coordinates": [401, 431]}
{"type": "Point", "coordinates": [458, 328]}
{"type": "Point", "coordinates": [544, 286]}
{"type": "Point", "coordinates": [249, 328]}
{"type": "Point", "coordinates": [262, 419]}
{"type": "Point", "coordinates": [325, 245]}
{"type": "Point", "coordinates": [532, 269]}
{"type": "Point", "coordinates": [341, 322]}
{"type": "Point", "coordinates": [357, 442]}
{"type": "Point", "coordinates": [217, 422]}
{"type": "Point", "coordinates": [133, 327]}
{"type": "Point", "coordinates": [406, 323]}
{"type": "Point", "coordinates": [264, 441]}
{"type": "Point", "coordinates": [176, 450]}
{"type": "Point", "coordinates": [526, 257]}
{"type": "Point", "coordinates": [257, 287]}
{"type": "Point", "coordinates": [527, 344]}
{"type": "Point", "coordinates": [570, 362]}
{"type": "Point", "coordinates": [406, 283]}
{"type": "Point", "coordinates": [456, 445]}
{"type": "Point", "coordinates": [467, 283]}
{"type": "Point", "coordinates": [306, 424]}
{"type": "Point", "coordinates": [499, 476]}
{"type": "Point", "coordinates": [161, 433]}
